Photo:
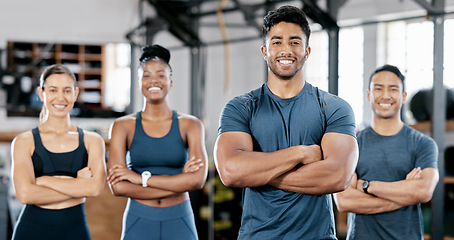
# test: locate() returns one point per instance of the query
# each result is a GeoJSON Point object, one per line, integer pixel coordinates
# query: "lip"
{"type": "Point", "coordinates": [154, 88]}
{"type": "Point", "coordinates": [385, 105]}
{"type": "Point", "coordinates": [286, 61]}
{"type": "Point", "coordinates": [59, 106]}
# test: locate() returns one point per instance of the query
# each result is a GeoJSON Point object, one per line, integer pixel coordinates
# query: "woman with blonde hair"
{"type": "Point", "coordinates": [56, 165]}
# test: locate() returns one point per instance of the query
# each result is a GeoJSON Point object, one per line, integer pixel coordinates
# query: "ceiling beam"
{"type": "Point", "coordinates": [314, 12]}
{"type": "Point", "coordinates": [432, 9]}
{"type": "Point", "coordinates": [176, 26]}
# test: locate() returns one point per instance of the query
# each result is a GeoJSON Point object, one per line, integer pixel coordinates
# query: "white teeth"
{"type": "Point", "coordinates": [154, 89]}
{"type": "Point", "coordinates": [285, 61]}
{"type": "Point", "coordinates": [385, 104]}
{"type": "Point", "coordinates": [59, 106]}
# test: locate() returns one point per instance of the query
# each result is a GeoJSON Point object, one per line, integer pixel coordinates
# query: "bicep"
{"type": "Point", "coordinates": [229, 143]}
{"type": "Point", "coordinates": [196, 144]}
{"type": "Point", "coordinates": [117, 146]}
{"type": "Point", "coordinates": [196, 140]}
{"type": "Point", "coordinates": [430, 177]}
{"type": "Point", "coordinates": [22, 169]}
{"type": "Point", "coordinates": [96, 155]}
{"type": "Point", "coordinates": [342, 148]}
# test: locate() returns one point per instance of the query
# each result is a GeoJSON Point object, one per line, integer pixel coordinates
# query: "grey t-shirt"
{"type": "Point", "coordinates": [274, 124]}
{"type": "Point", "coordinates": [388, 159]}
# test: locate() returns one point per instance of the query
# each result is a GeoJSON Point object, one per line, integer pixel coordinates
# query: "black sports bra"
{"type": "Point", "coordinates": [47, 163]}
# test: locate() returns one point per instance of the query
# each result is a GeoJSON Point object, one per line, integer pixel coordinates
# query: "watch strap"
{"type": "Point", "coordinates": [145, 176]}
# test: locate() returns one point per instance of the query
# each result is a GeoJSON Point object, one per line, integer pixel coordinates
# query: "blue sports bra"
{"type": "Point", "coordinates": [161, 156]}
{"type": "Point", "coordinates": [47, 163]}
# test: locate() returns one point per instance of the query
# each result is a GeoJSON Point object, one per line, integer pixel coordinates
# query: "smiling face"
{"type": "Point", "coordinates": [59, 94]}
{"type": "Point", "coordinates": [386, 95]}
{"type": "Point", "coordinates": [285, 50]}
{"type": "Point", "coordinates": [155, 80]}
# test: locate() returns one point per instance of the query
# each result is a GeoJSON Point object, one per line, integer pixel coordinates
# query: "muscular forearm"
{"type": "Point", "coordinates": [332, 174]}
{"type": "Point", "coordinates": [316, 178]}
{"type": "Point", "coordinates": [131, 190]}
{"type": "Point", "coordinates": [356, 201]}
{"type": "Point", "coordinates": [252, 169]}
{"type": "Point", "coordinates": [405, 192]}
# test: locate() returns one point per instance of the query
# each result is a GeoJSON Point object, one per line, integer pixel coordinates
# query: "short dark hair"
{"type": "Point", "coordinates": [288, 14]}
{"type": "Point", "coordinates": [389, 68]}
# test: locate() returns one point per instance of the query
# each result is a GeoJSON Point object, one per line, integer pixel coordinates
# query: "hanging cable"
{"type": "Point", "coordinates": [225, 39]}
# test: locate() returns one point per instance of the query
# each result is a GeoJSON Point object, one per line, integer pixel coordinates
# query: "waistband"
{"type": "Point", "coordinates": [53, 217]}
{"type": "Point", "coordinates": [159, 213]}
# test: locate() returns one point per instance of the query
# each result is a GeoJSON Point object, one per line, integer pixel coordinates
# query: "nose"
{"type": "Point", "coordinates": [60, 95]}
{"type": "Point", "coordinates": [285, 49]}
{"type": "Point", "coordinates": [386, 93]}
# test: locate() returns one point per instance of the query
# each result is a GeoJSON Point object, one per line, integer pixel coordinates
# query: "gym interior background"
{"type": "Point", "coordinates": [215, 48]}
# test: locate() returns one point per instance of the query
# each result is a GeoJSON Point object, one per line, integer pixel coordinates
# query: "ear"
{"type": "Point", "coordinates": [41, 93]}
{"type": "Point", "coordinates": [404, 97]}
{"type": "Point", "coordinates": [76, 92]}
{"type": "Point", "coordinates": [368, 95]}
{"type": "Point", "coordinates": [171, 82]}
{"type": "Point", "coordinates": [308, 52]}
{"type": "Point", "coordinates": [263, 50]}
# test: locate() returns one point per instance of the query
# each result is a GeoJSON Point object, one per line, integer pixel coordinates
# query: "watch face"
{"type": "Point", "coordinates": [365, 184]}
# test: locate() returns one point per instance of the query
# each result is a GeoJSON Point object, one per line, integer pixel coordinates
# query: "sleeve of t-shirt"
{"type": "Point", "coordinates": [426, 152]}
{"type": "Point", "coordinates": [340, 117]}
{"type": "Point", "coordinates": [234, 117]}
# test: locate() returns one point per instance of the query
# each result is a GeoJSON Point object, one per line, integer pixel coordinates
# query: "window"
{"type": "Point", "coordinates": [410, 47]}
{"type": "Point", "coordinates": [118, 76]}
{"type": "Point", "coordinates": [350, 66]}
{"type": "Point", "coordinates": [351, 69]}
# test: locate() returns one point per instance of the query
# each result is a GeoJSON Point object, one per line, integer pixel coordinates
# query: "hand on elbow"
{"type": "Point", "coordinates": [311, 153]}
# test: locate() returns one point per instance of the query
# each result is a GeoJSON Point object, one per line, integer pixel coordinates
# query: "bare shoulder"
{"type": "Point", "coordinates": [23, 142]}
{"type": "Point", "coordinates": [125, 120]}
{"type": "Point", "coordinates": [92, 139]}
{"type": "Point", "coordinates": [24, 138]}
{"type": "Point", "coordinates": [92, 136]}
{"type": "Point", "coordinates": [188, 121]}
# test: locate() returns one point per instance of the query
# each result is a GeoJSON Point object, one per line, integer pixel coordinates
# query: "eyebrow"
{"type": "Point", "coordinates": [156, 71]}
{"type": "Point", "coordinates": [57, 87]}
{"type": "Point", "coordinates": [382, 85]}
{"type": "Point", "coordinates": [280, 37]}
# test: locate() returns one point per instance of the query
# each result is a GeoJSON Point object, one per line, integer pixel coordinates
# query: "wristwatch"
{"type": "Point", "coordinates": [145, 176]}
{"type": "Point", "coordinates": [365, 186]}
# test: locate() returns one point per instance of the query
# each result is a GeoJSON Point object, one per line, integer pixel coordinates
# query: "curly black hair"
{"type": "Point", "coordinates": [288, 14]}
{"type": "Point", "coordinates": [155, 51]}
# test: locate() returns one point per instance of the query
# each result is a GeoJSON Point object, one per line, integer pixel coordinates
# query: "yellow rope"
{"type": "Point", "coordinates": [220, 17]}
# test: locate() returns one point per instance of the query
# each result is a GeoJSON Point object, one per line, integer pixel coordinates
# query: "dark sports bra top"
{"type": "Point", "coordinates": [47, 163]}
{"type": "Point", "coordinates": [161, 156]}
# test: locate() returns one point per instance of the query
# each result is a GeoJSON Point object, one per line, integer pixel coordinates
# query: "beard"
{"type": "Point", "coordinates": [388, 115]}
{"type": "Point", "coordinates": [285, 74]}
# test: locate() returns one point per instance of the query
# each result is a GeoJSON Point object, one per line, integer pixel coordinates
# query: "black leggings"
{"type": "Point", "coordinates": [40, 223]}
